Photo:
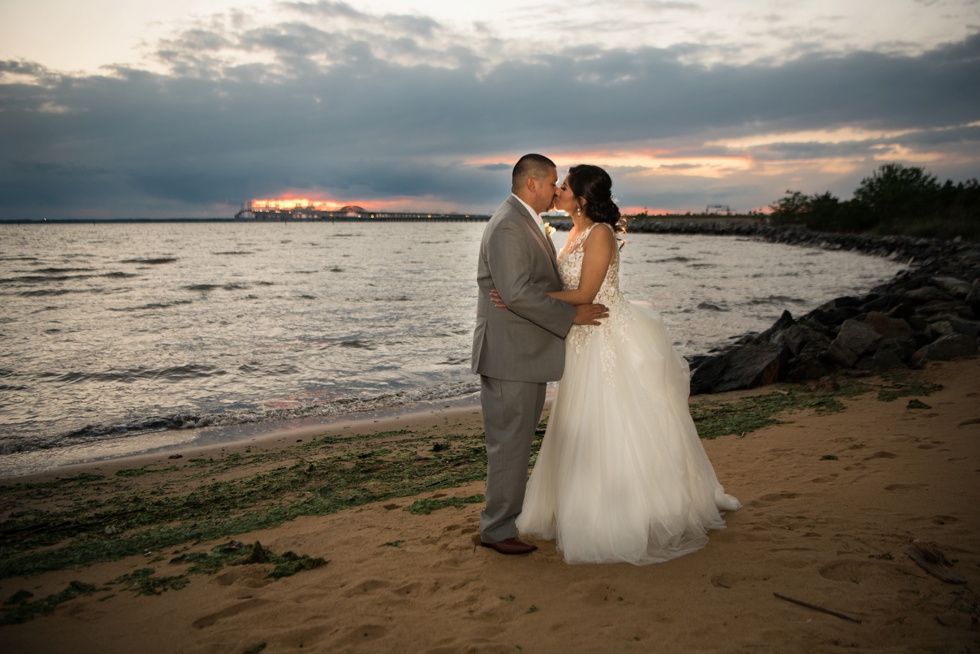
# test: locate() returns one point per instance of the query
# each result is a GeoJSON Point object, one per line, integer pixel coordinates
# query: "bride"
{"type": "Point", "coordinates": [622, 474]}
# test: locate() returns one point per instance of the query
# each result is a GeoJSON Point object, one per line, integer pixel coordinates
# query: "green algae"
{"type": "Point", "coordinates": [427, 506]}
{"type": "Point", "coordinates": [21, 610]}
{"type": "Point", "coordinates": [748, 414]}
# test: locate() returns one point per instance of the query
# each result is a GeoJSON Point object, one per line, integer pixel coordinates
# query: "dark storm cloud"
{"type": "Point", "coordinates": [393, 110]}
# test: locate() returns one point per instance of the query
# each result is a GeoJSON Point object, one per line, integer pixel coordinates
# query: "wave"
{"type": "Point", "coordinates": [211, 287]}
{"type": "Point", "coordinates": [777, 299]}
{"type": "Point", "coordinates": [152, 261]}
{"type": "Point", "coordinates": [151, 306]}
{"type": "Point", "coordinates": [173, 373]}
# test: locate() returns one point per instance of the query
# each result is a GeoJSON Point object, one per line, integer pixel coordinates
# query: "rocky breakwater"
{"type": "Point", "coordinates": [926, 313]}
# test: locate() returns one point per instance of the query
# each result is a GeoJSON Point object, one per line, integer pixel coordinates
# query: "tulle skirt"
{"type": "Point", "coordinates": [622, 475]}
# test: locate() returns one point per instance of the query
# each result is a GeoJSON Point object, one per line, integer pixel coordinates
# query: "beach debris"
{"type": "Point", "coordinates": [815, 607]}
{"type": "Point", "coordinates": [917, 404]}
{"type": "Point", "coordinates": [237, 553]}
{"type": "Point", "coordinates": [440, 447]}
{"type": "Point", "coordinates": [933, 561]}
{"type": "Point", "coordinates": [971, 421]}
{"type": "Point", "coordinates": [829, 457]}
{"type": "Point", "coordinates": [393, 543]}
{"type": "Point", "coordinates": [176, 456]}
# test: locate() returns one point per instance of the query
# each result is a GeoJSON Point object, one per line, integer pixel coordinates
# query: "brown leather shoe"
{"type": "Point", "coordinates": [511, 546]}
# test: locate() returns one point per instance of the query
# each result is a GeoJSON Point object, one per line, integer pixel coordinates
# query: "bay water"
{"type": "Point", "coordinates": [112, 331]}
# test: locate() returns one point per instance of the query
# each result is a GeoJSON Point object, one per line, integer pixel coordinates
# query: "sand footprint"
{"type": "Point", "coordinates": [231, 611]}
{"type": "Point", "coordinates": [880, 455]}
{"type": "Point", "coordinates": [367, 586]}
{"type": "Point", "coordinates": [364, 633]}
{"type": "Point", "coordinates": [905, 487]}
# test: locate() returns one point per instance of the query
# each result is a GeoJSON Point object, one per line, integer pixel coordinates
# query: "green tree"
{"type": "Point", "coordinates": [895, 193]}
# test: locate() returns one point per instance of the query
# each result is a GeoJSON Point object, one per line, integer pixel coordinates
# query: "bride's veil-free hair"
{"type": "Point", "coordinates": [593, 184]}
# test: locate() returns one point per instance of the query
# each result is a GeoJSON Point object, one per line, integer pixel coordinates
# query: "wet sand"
{"type": "Point", "coordinates": [832, 532]}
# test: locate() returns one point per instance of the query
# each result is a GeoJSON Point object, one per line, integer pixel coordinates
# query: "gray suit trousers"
{"type": "Point", "coordinates": [511, 411]}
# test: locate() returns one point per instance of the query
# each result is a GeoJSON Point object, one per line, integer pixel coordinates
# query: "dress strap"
{"type": "Point", "coordinates": [570, 247]}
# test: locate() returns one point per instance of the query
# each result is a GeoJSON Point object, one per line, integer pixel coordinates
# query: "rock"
{"type": "Point", "coordinates": [945, 348]}
{"type": "Point", "coordinates": [888, 327]}
{"type": "Point", "coordinates": [882, 361]}
{"type": "Point", "coordinates": [953, 325]}
{"type": "Point", "coordinates": [845, 302]}
{"type": "Point", "coordinates": [838, 355]}
{"type": "Point", "coordinates": [955, 287]}
{"type": "Point", "coordinates": [745, 367]}
{"type": "Point", "coordinates": [933, 307]}
{"type": "Point", "coordinates": [857, 337]}
{"type": "Point", "coordinates": [807, 365]}
{"type": "Point", "coordinates": [917, 324]}
{"type": "Point", "coordinates": [903, 310]}
{"type": "Point", "coordinates": [884, 303]}
{"type": "Point", "coordinates": [902, 346]}
{"type": "Point", "coordinates": [826, 385]}
{"type": "Point", "coordinates": [830, 317]}
{"type": "Point", "coordinates": [797, 336]}
{"type": "Point", "coordinates": [924, 294]}
{"type": "Point", "coordinates": [785, 321]}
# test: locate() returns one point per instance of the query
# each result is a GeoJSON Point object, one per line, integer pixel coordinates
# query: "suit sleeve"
{"type": "Point", "coordinates": [509, 261]}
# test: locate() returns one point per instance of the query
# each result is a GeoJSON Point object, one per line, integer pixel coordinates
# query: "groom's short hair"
{"type": "Point", "coordinates": [537, 166]}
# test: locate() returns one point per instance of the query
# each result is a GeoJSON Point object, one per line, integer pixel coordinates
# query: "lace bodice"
{"type": "Point", "coordinates": [570, 268]}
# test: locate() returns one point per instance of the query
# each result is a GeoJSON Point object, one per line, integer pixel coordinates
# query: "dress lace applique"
{"type": "Point", "coordinates": [570, 268]}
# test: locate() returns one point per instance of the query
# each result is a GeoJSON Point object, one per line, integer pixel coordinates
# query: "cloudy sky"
{"type": "Point", "coordinates": [131, 108]}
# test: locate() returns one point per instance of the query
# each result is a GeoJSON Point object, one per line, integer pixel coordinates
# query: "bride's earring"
{"type": "Point", "coordinates": [578, 212]}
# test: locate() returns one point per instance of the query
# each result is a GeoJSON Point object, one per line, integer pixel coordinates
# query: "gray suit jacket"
{"type": "Point", "coordinates": [525, 341]}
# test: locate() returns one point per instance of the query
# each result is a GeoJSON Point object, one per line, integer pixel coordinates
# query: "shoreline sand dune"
{"type": "Point", "coordinates": [829, 531]}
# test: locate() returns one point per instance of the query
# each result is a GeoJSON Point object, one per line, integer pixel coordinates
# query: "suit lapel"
{"type": "Point", "coordinates": [542, 238]}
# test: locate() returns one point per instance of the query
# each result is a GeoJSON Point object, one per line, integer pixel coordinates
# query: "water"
{"type": "Point", "coordinates": [120, 330]}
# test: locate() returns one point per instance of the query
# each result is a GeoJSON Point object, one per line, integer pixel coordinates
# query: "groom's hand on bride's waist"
{"type": "Point", "coordinates": [590, 314]}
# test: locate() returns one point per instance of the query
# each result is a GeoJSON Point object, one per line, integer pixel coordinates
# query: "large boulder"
{"type": "Point", "coordinates": [854, 339]}
{"type": "Point", "coordinates": [882, 360]}
{"type": "Point", "coordinates": [743, 367]}
{"type": "Point", "coordinates": [797, 336]}
{"type": "Point", "coordinates": [955, 287]}
{"type": "Point", "coordinates": [924, 294]}
{"type": "Point", "coordinates": [954, 325]}
{"type": "Point", "coordinates": [888, 327]}
{"type": "Point", "coordinates": [945, 348]}
{"type": "Point", "coordinates": [884, 303]}
{"type": "Point", "coordinates": [784, 322]}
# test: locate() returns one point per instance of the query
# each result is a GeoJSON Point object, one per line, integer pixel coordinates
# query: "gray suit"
{"type": "Point", "coordinates": [516, 351]}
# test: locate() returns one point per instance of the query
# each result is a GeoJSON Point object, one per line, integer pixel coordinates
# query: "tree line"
{"type": "Point", "coordinates": [895, 199]}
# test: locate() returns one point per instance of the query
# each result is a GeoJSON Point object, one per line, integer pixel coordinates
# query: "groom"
{"type": "Point", "coordinates": [518, 350]}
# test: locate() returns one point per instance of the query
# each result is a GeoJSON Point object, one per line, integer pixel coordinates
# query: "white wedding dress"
{"type": "Point", "coordinates": [621, 475]}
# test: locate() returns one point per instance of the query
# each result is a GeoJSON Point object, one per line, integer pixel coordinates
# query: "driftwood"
{"type": "Point", "coordinates": [836, 614]}
{"type": "Point", "coordinates": [934, 562]}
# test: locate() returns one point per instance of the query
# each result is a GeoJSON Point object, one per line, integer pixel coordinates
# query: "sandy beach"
{"type": "Point", "coordinates": [832, 501]}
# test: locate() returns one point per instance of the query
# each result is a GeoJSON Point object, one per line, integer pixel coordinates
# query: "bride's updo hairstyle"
{"type": "Point", "coordinates": [593, 185]}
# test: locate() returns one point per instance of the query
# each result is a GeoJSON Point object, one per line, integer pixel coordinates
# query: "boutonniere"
{"type": "Point", "coordinates": [548, 230]}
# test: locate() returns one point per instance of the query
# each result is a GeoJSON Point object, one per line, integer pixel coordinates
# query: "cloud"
{"type": "Point", "coordinates": [399, 108]}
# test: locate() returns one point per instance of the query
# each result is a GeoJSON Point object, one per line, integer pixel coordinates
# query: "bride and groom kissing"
{"type": "Point", "coordinates": [621, 475]}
